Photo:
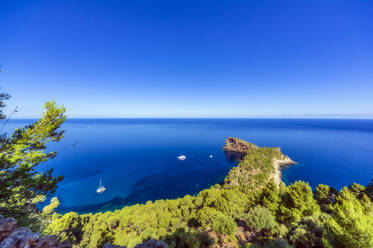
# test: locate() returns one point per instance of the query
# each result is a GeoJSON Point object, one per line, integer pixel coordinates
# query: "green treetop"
{"type": "Point", "coordinates": [22, 187]}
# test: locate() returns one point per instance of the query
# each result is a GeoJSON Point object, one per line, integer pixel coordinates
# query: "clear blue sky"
{"type": "Point", "coordinates": [189, 58]}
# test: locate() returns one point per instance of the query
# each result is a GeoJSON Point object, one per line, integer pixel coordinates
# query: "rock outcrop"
{"type": "Point", "coordinates": [14, 236]}
{"type": "Point", "coordinates": [238, 145]}
{"type": "Point", "coordinates": [236, 149]}
{"type": "Point", "coordinates": [112, 246]}
{"type": "Point", "coordinates": [7, 226]}
{"type": "Point", "coordinates": [152, 244]}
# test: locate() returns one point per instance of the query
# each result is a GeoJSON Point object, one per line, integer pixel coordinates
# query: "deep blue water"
{"type": "Point", "coordinates": [136, 158]}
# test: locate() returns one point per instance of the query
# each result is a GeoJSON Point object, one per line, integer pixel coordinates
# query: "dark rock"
{"type": "Point", "coordinates": [239, 145]}
{"type": "Point", "coordinates": [235, 148]}
{"type": "Point", "coordinates": [13, 236]}
{"type": "Point", "coordinates": [152, 244]}
{"type": "Point", "coordinates": [113, 246]}
{"type": "Point", "coordinates": [7, 226]}
{"type": "Point", "coordinates": [22, 237]}
{"type": "Point", "coordinates": [51, 241]}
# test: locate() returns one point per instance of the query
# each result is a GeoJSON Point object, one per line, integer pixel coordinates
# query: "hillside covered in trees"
{"type": "Point", "coordinates": [247, 210]}
{"type": "Point", "coordinates": [252, 214]}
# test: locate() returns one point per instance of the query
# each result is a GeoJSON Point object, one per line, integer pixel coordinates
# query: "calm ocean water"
{"type": "Point", "coordinates": [136, 158]}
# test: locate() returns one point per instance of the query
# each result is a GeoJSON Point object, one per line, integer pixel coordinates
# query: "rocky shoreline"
{"type": "Point", "coordinates": [277, 164]}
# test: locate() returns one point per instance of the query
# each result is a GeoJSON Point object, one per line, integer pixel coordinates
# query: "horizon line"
{"type": "Point", "coordinates": [334, 116]}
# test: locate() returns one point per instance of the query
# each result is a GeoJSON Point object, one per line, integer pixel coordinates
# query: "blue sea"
{"type": "Point", "coordinates": [137, 158]}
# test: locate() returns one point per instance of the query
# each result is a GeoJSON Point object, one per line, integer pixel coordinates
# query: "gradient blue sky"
{"type": "Point", "coordinates": [189, 58]}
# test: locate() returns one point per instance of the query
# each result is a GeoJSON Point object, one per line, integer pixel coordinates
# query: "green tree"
{"type": "Point", "coordinates": [223, 224]}
{"type": "Point", "coordinates": [325, 195]}
{"type": "Point", "coordinates": [261, 220]}
{"type": "Point", "coordinates": [357, 190]}
{"type": "Point", "coordinates": [351, 224]}
{"type": "Point", "coordinates": [270, 197]}
{"type": "Point", "coordinates": [22, 186]}
{"type": "Point", "coordinates": [189, 239]}
{"type": "Point", "coordinates": [278, 243]}
{"type": "Point", "coordinates": [297, 202]}
{"type": "Point", "coordinates": [369, 190]}
{"type": "Point", "coordinates": [308, 233]}
{"type": "Point", "coordinates": [3, 97]}
{"type": "Point", "coordinates": [216, 220]}
{"type": "Point", "coordinates": [48, 210]}
{"type": "Point", "coordinates": [66, 227]}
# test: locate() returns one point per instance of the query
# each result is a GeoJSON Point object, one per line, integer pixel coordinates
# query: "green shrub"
{"type": "Point", "coordinates": [351, 224]}
{"type": "Point", "coordinates": [308, 233]}
{"type": "Point", "coordinates": [296, 203]}
{"type": "Point", "coordinates": [260, 219]}
{"type": "Point", "coordinates": [223, 224]}
{"type": "Point", "coordinates": [188, 239]}
{"type": "Point", "coordinates": [66, 227]}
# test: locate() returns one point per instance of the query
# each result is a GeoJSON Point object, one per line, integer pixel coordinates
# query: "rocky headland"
{"type": "Point", "coordinates": [239, 145]}
{"type": "Point", "coordinates": [235, 148]}
{"type": "Point", "coordinates": [254, 161]}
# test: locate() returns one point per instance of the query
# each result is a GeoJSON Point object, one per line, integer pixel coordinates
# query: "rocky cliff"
{"type": "Point", "coordinates": [236, 149]}
{"type": "Point", "coordinates": [238, 145]}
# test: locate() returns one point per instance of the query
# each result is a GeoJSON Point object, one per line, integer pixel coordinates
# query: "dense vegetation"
{"type": "Point", "coordinates": [267, 216]}
{"type": "Point", "coordinates": [247, 210]}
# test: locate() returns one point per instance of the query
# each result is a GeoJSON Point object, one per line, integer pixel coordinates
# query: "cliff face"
{"type": "Point", "coordinates": [238, 145]}
{"type": "Point", "coordinates": [236, 149]}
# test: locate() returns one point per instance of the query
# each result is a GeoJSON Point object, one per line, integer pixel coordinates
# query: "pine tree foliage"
{"type": "Point", "coordinates": [22, 186]}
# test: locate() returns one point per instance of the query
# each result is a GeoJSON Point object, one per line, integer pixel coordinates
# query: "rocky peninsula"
{"type": "Point", "coordinates": [236, 148]}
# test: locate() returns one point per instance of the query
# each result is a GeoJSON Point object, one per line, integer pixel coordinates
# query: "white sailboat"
{"type": "Point", "coordinates": [100, 188]}
{"type": "Point", "coordinates": [181, 157]}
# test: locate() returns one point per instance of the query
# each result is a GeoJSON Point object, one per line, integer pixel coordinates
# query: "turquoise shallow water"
{"type": "Point", "coordinates": [136, 158]}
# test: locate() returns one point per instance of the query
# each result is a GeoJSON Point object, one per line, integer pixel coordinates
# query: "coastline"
{"type": "Point", "coordinates": [277, 164]}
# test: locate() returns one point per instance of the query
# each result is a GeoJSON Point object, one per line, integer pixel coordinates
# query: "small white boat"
{"type": "Point", "coordinates": [211, 156]}
{"type": "Point", "coordinates": [100, 188]}
{"type": "Point", "coordinates": [181, 157]}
